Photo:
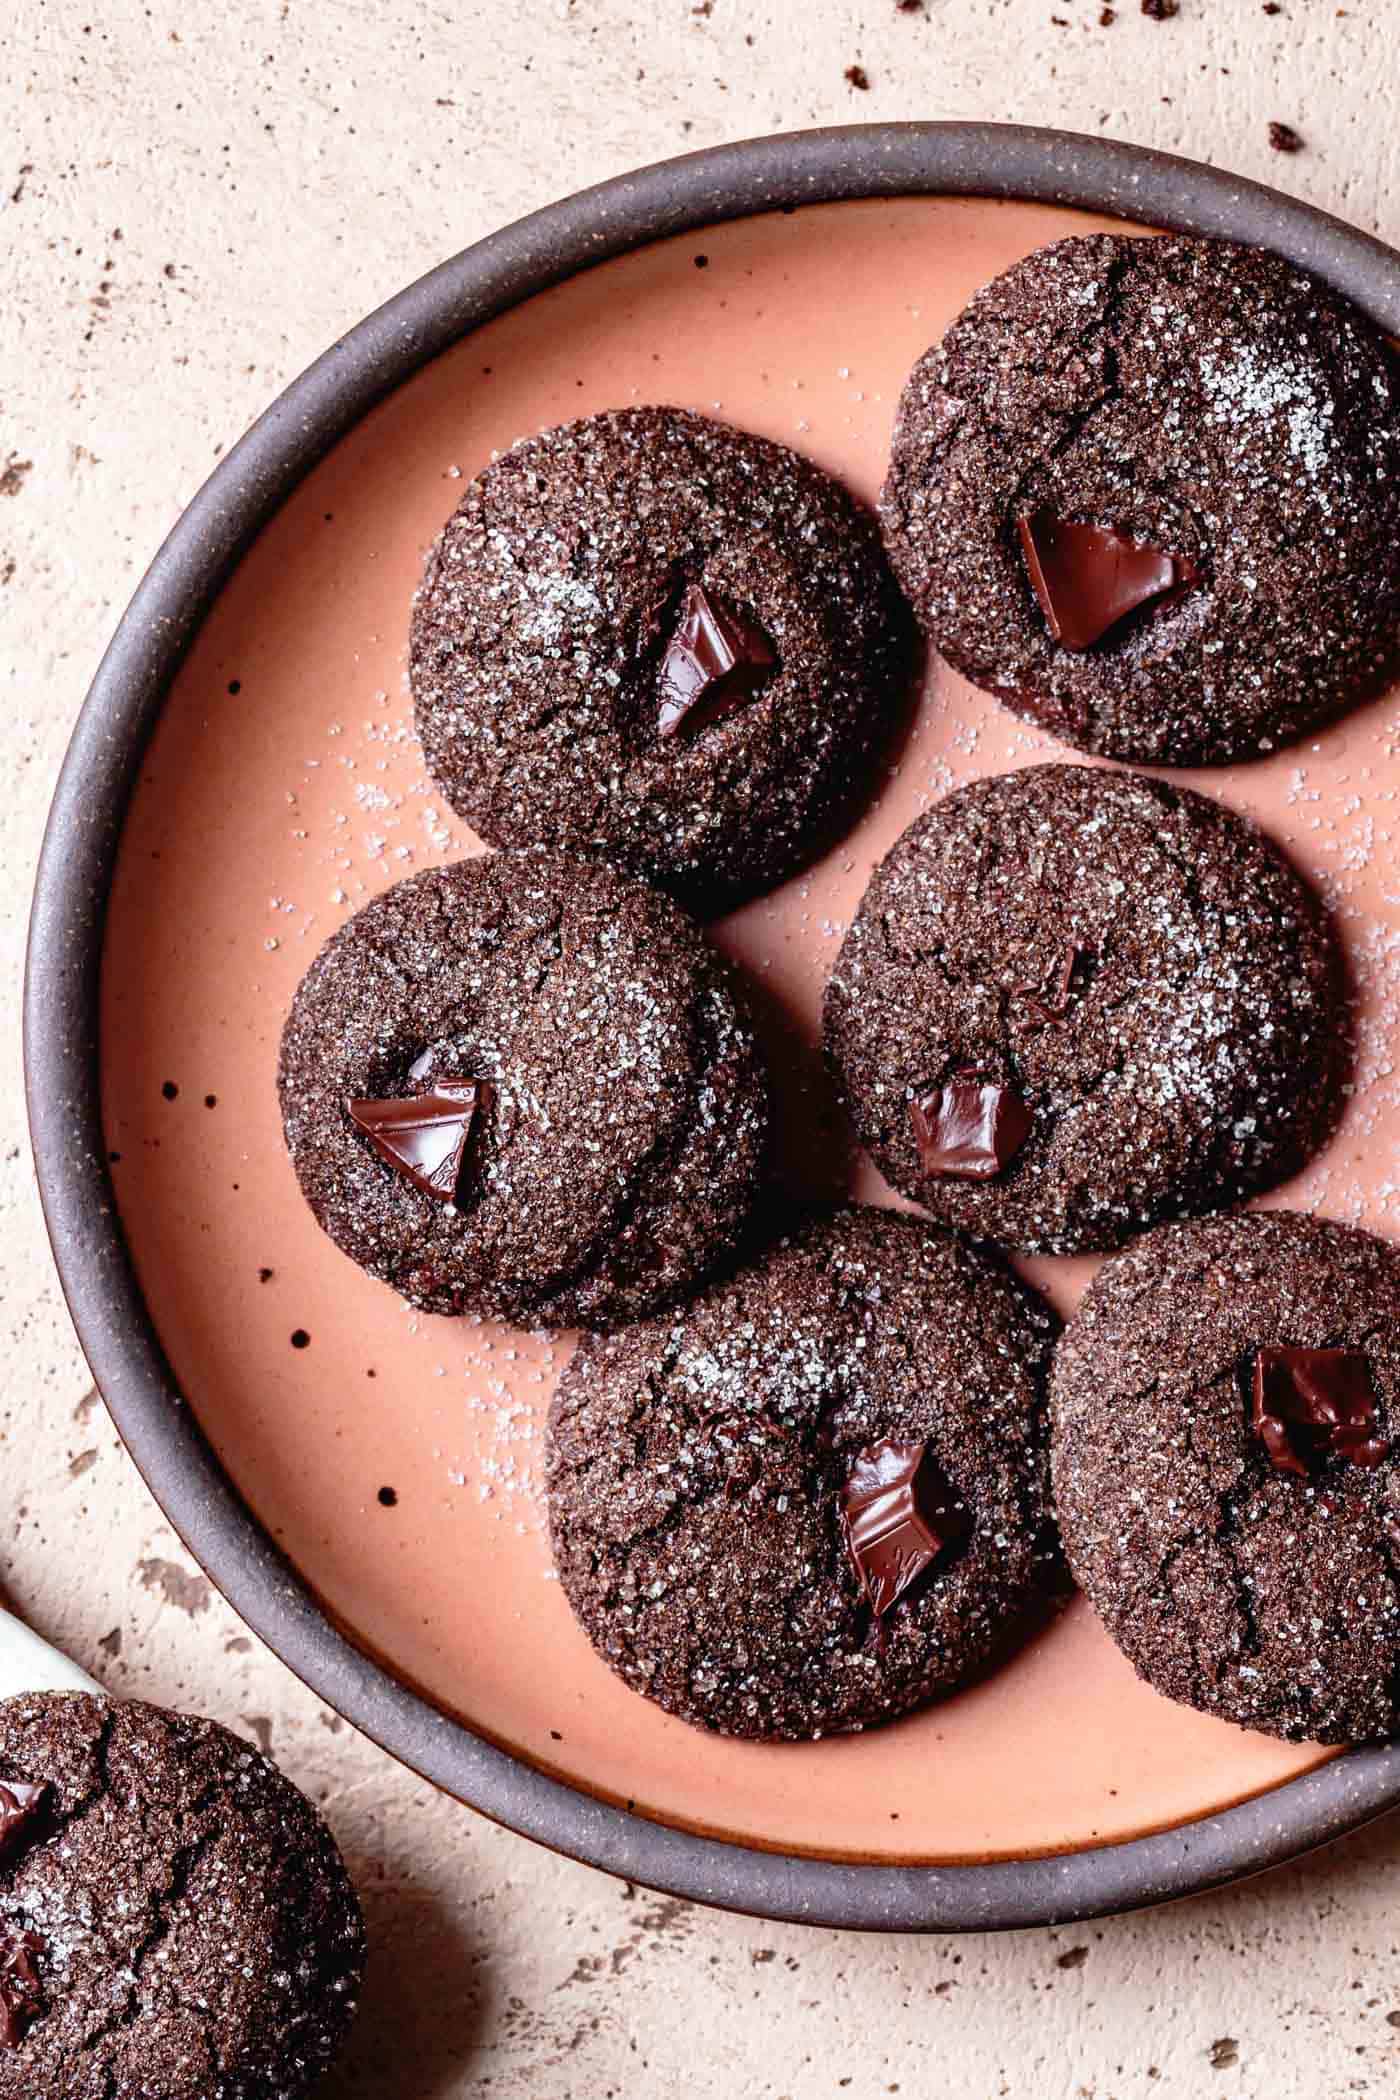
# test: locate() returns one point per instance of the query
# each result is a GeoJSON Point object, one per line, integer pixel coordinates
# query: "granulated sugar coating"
{"type": "Point", "coordinates": [1260, 1595]}
{"type": "Point", "coordinates": [696, 1464]}
{"type": "Point", "coordinates": [1208, 399]}
{"type": "Point", "coordinates": [541, 627]}
{"type": "Point", "coordinates": [617, 1151]}
{"type": "Point", "coordinates": [1136, 962]}
{"type": "Point", "coordinates": [197, 1934]}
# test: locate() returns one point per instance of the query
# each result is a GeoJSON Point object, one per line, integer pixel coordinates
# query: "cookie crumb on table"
{"type": "Point", "coordinates": [1284, 139]}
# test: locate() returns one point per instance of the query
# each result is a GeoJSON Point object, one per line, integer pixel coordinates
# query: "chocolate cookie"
{"type": "Point", "coordinates": [1147, 492]}
{"type": "Point", "coordinates": [175, 1920]}
{"type": "Point", "coordinates": [525, 1086]}
{"type": "Point", "coordinates": [1227, 1469]}
{"type": "Point", "coordinates": [817, 1498]}
{"type": "Point", "coordinates": [1075, 1002]}
{"type": "Point", "coordinates": [649, 639]}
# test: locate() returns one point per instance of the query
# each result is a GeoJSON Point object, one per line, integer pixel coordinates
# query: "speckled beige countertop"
{"type": "Point", "coordinates": [194, 200]}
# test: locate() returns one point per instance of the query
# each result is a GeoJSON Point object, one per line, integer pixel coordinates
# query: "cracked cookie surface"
{"type": "Point", "coordinates": [696, 1466]}
{"type": "Point", "coordinates": [199, 1938]}
{"type": "Point", "coordinates": [1206, 398]}
{"type": "Point", "coordinates": [540, 628]}
{"type": "Point", "coordinates": [617, 1153]}
{"type": "Point", "coordinates": [1136, 962]}
{"type": "Point", "coordinates": [1270, 1598]}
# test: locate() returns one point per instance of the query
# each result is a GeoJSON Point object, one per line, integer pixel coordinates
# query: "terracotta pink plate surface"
{"type": "Point", "coordinates": [396, 1459]}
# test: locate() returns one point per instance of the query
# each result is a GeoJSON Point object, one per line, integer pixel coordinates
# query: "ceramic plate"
{"type": "Point", "coordinates": [243, 801]}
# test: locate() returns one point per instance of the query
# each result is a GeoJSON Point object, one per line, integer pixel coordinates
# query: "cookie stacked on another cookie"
{"type": "Point", "coordinates": [1227, 1469]}
{"type": "Point", "coordinates": [1075, 1002]}
{"type": "Point", "coordinates": [649, 639]}
{"type": "Point", "coordinates": [818, 1497]}
{"type": "Point", "coordinates": [1147, 492]}
{"type": "Point", "coordinates": [525, 1086]}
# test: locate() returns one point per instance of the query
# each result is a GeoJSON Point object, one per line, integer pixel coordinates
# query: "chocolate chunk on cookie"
{"type": "Point", "coordinates": [817, 1498]}
{"type": "Point", "coordinates": [525, 1086]}
{"type": "Point", "coordinates": [1073, 1003]}
{"type": "Point", "coordinates": [1227, 1469]}
{"type": "Point", "coordinates": [1147, 493]}
{"type": "Point", "coordinates": [650, 639]}
{"type": "Point", "coordinates": [175, 1919]}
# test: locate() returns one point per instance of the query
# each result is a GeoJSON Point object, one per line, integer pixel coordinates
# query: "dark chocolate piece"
{"type": "Point", "coordinates": [1284, 139]}
{"type": "Point", "coordinates": [425, 1137]}
{"type": "Point", "coordinates": [1314, 1404]}
{"type": "Point", "coordinates": [1050, 1008]}
{"type": "Point", "coordinates": [21, 1993]}
{"type": "Point", "coordinates": [898, 1514]}
{"type": "Point", "coordinates": [1089, 577]}
{"type": "Point", "coordinates": [20, 1808]}
{"type": "Point", "coordinates": [972, 1127]}
{"type": "Point", "coordinates": [716, 658]}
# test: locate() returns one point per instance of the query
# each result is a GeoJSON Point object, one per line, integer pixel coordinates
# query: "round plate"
{"type": "Point", "coordinates": [359, 1482]}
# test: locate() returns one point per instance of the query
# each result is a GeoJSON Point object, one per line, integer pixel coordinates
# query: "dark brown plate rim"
{"type": "Point", "coordinates": [65, 948]}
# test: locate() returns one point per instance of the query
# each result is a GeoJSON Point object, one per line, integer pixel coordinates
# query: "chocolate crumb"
{"type": "Point", "coordinates": [702, 262]}
{"type": "Point", "coordinates": [300, 1338]}
{"type": "Point", "coordinates": [1108, 17]}
{"type": "Point", "coordinates": [211, 1101]}
{"type": "Point", "coordinates": [857, 76]}
{"type": "Point", "coordinates": [235, 685]}
{"type": "Point", "coordinates": [1072, 1958]}
{"type": "Point", "coordinates": [388, 1498]}
{"type": "Point", "coordinates": [1225, 2051]}
{"type": "Point", "coordinates": [265, 1275]}
{"type": "Point", "coordinates": [170, 1090]}
{"type": "Point", "coordinates": [1284, 139]}
{"type": "Point", "coordinates": [1159, 10]}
